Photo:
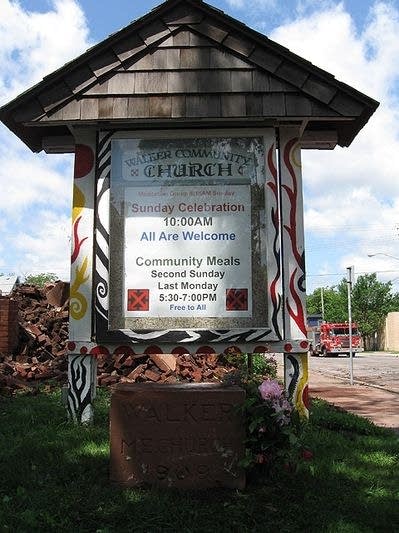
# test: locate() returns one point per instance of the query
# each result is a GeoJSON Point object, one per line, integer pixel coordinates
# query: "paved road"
{"type": "Point", "coordinates": [375, 393]}
{"type": "Point", "coordinates": [379, 369]}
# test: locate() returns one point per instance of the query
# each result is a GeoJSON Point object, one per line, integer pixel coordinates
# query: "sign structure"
{"type": "Point", "coordinates": [185, 209]}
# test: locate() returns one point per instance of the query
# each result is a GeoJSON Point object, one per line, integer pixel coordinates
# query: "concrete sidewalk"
{"type": "Point", "coordinates": [378, 405]}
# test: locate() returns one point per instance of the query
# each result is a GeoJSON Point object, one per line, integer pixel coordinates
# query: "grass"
{"type": "Point", "coordinates": [54, 477]}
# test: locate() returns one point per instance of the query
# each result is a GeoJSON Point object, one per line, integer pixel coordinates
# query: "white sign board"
{"type": "Point", "coordinates": [184, 214]}
{"type": "Point", "coordinates": [188, 251]}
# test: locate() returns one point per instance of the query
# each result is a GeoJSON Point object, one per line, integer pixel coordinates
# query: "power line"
{"type": "Point", "coordinates": [343, 274]}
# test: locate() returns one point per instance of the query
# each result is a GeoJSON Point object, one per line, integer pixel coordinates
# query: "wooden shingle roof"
{"type": "Point", "coordinates": [186, 64]}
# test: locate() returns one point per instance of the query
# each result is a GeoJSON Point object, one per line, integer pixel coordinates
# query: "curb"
{"type": "Point", "coordinates": [357, 382]}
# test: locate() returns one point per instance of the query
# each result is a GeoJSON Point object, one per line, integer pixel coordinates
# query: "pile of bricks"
{"type": "Point", "coordinates": [34, 322]}
{"type": "Point", "coordinates": [165, 368]}
{"type": "Point", "coordinates": [33, 340]}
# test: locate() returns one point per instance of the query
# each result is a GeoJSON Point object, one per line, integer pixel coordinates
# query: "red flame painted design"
{"type": "Point", "coordinates": [272, 184]}
{"type": "Point", "coordinates": [76, 240]}
{"type": "Point", "coordinates": [298, 274]}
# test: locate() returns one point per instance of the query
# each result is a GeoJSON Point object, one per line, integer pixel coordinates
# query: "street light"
{"type": "Point", "coordinates": [382, 253]}
{"type": "Point", "coordinates": [349, 281]}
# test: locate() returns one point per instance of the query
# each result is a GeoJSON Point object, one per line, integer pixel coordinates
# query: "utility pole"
{"type": "Point", "coordinates": [349, 282]}
{"type": "Point", "coordinates": [322, 302]}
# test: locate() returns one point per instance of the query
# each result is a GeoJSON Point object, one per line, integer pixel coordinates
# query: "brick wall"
{"type": "Point", "coordinates": [392, 332]}
{"type": "Point", "coordinates": [8, 325]}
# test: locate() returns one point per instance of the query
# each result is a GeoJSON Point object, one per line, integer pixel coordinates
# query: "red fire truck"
{"type": "Point", "coordinates": [332, 338]}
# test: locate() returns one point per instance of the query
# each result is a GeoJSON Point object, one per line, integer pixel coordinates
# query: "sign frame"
{"type": "Point", "coordinates": [188, 339]}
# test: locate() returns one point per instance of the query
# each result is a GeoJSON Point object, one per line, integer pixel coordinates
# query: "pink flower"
{"type": "Point", "coordinates": [270, 389]}
{"type": "Point", "coordinates": [307, 455]}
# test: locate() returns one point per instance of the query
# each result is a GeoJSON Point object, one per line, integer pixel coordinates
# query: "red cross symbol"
{"type": "Point", "coordinates": [236, 299]}
{"type": "Point", "coordinates": [138, 299]}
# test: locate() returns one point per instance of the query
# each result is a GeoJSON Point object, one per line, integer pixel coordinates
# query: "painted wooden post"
{"type": "Point", "coordinates": [295, 364]}
{"type": "Point", "coordinates": [82, 372]}
{"type": "Point", "coordinates": [273, 241]}
{"type": "Point", "coordinates": [296, 381]}
{"type": "Point", "coordinates": [81, 366]}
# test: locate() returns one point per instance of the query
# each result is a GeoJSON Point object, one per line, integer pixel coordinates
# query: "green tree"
{"type": "Point", "coordinates": [40, 280]}
{"type": "Point", "coordinates": [372, 300]}
{"type": "Point", "coordinates": [335, 302]}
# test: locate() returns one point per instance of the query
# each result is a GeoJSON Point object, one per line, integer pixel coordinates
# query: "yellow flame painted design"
{"type": "Point", "coordinates": [78, 305]}
{"type": "Point", "coordinates": [78, 202]}
{"type": "Point", "coordinates": [295, 155]}
{"type": "Point", "coordinates": [302, 382]}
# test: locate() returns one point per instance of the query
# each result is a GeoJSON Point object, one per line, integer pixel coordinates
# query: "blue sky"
{"type": "Point", "coordinates": [351, 195]}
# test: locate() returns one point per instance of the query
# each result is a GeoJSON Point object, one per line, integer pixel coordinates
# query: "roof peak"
{"type": "Point", "coordinates": [318, 91]}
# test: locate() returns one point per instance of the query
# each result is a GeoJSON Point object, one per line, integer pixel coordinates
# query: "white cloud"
{"type": "Point", "coordinates": [35, 44]}
{"type": "Point", "coordinates": [352, 194]}
{"type": "Point", "coordinates": [35, 188]}
{"type": "Point", "coordinates": [329, 39]}
{"type": "Point", "coordinates": [29, 179]}
{"type": "Point", "coordinates": [46, 246]}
